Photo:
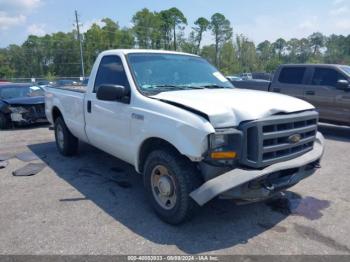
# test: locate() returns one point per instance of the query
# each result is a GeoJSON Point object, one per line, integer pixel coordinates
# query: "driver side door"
{"type": "Point", "coordinates": [108, 122]}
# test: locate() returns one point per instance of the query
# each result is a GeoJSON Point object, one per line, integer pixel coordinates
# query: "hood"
{"type": "Point", "coordinates": [229, 107]}
{"type": "Point", "coordinates": [25, 100]}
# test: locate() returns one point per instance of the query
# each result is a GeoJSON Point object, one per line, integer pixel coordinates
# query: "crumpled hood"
{"type": "Point", "coordinates": [25, 100]}
{"type": "Point", "coordinates": [229, 107]}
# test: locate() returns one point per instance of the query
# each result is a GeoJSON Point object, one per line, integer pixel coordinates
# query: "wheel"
{"type": "Point", "coordinates": [66, 143]}
{"type": "Point", "coordinates": [169, 178]}
{"type": "Point", "coordinates": [4, 123]}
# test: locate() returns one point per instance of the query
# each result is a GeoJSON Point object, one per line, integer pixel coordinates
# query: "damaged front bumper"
{"type": "Point", "coordinates": [253, 185]}
{"type": "Point", "coordinates": [28, 114]}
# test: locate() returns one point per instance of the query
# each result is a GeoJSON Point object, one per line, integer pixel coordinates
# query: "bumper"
{"type": "Point", "coordinates": [235, 183]}
{"type": "Point", "coordinates": [32, 114]}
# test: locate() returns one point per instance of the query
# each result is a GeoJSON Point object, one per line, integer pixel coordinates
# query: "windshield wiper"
{"type": "Point", "coordinates": [178, 87]}
{"type": "Point", "coordinates": [214, 86]}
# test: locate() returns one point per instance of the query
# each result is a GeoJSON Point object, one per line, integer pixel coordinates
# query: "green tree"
{"type": "Point", "coordinates": [246, 53]}
{"type": "Point", "coordinates": [147, 28]}
{"type": "Point", "coordinates": [317, 41]}
{"type": "Point", "coordinates": [173, 18]}
{"type": "Point", "coordinates": [201, 25]}
{"type": "Point", "coordinates": [221, 30]}
{"type": "Point", "coordinates": [279, 47]}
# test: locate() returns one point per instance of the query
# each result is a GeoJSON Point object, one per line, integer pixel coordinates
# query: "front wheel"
{"type": "Point", "coordinates": [169, 178]}
{"type": "Point", "coordinates": [66, 143]}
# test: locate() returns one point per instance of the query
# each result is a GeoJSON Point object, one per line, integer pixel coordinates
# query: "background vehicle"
{"type": "Point", "coordinates": [184, 127]}
{"type": "Point", "coordinates": [327, 87]}
{"type": "Point", "coordinates": [66, 82]}
{"type": "Point", "coordinates": [234, 78]}
{"type": "Point", "coordinates": [246, 76]}
{"type": "Point", "coordinates": [21, 104]}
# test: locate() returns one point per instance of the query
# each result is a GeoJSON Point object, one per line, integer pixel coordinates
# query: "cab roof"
{"type": "Point", "coordinates": [138, 51]}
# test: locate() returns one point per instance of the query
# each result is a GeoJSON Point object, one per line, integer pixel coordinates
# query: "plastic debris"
{"type": "Point", "coordinates": [30, 169]}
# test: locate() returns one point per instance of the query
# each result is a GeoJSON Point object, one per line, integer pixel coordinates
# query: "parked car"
{"type": "Point", "coordinates": [262, 76]}
{"type": "Point", "coordinates": [183, 126]}
{"type": "Point", "coordinates": [21, 104]}
{"type": "Point", "coordinates": [246, 76]}
{"type": "Point", "coordinates": [85, 82]}
{"type": "Point", "coordinates": [66, 82]}
{"type": "Point", "coordinates": [325, 86]}
{"type": "Point", "coordinates": [234, 78]}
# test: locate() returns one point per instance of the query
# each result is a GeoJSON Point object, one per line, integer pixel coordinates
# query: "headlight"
{"type": "Point", "coordinates": [225, 144]}
{"type": "Point", "coordinates": [218, 140]}
{"type": "Point", "coordinates": [18, 110]}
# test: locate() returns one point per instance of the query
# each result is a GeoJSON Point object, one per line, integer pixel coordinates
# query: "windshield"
{"type": "Point", "coordinates": [155, 73]}
{"type": "Point", "coordinates": [346, 69]}
{"type": "Point", "coordinates": [8, 92]}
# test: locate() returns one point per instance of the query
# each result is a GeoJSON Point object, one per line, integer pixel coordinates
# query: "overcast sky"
{"type": "Point", "coordinates": [257, 19]}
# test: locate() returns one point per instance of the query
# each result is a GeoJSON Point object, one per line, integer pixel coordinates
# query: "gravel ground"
{"type": "Point", "coordinates": [95, 204]}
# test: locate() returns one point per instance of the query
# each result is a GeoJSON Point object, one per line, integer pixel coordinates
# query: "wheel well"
{"type": "Point", "coordinates": [150, 145]}
{"type": "Point", "coordinates": [56, 113]}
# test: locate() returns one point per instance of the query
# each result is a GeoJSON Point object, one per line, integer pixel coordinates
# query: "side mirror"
{"type": "Point", "coordinates": [111, 92]}
{"type": "Point", "coordinates": [343, 85]}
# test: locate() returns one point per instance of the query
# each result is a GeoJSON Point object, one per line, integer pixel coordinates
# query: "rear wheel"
{"type": "Point", "coordinates": [169, 179]}
{"type": "Point", "coordinates": [66, 143]}
{"type": "Point", "coordinates": [4, 123]}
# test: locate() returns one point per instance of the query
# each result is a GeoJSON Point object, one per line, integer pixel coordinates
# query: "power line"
{"type": "Point", "coordinates": [80, 44]}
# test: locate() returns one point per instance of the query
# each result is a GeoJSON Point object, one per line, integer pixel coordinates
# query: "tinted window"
{"type": "Point", "coordinates": [111, 71]}
{"type": "Point", "coordinates": [326, 77]}
{"type": "Point", "coordinates": [292, 75]}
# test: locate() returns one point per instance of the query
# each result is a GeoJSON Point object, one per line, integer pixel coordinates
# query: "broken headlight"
{"type": "Point", "coordinates": [225, 144]}
{"type": "Point", "coordinates": [18, 110]}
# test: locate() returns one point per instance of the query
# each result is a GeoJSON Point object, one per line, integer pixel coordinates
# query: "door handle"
{"type": "Point", "coordinates": [89, 106]}
{"type": "Point", "coordinates": [277, 90]}
{"type": "Point", "coordinates": [310, 93]}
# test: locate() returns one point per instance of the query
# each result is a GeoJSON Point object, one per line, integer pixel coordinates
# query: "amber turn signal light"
{"type": "Point", "coordinates": [223, 155]}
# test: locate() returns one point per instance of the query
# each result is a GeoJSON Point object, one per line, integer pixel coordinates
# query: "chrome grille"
{"type": "Point", "coordinates": [270, 140]}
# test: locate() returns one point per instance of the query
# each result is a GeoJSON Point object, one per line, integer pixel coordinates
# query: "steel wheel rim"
{"type": "Point", "coordinates": [163, 187]}
{"type": "Point", "coordinates": [60, 136]}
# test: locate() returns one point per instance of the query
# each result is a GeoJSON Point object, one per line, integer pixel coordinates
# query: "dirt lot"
{"type": "Point", "coordinates": [95, 204]}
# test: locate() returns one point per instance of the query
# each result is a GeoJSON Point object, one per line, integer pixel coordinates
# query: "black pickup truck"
{"type": "Point", "coordinates": [325, 86]}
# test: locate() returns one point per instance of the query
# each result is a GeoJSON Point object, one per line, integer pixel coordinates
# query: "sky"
{"type": "Point", "coordinates": [259, 20]}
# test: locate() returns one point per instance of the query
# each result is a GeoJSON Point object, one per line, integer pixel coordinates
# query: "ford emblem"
{"type": "Point", "coordinates": [293, 139]}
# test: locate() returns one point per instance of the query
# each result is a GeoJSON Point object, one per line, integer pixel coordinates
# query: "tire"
{"type": "Point", "coordinates": [4, 123]}
{"type": "Point", "coordinates": [184, 177]}
{"type": "Point", "coordinates": [66, 143]}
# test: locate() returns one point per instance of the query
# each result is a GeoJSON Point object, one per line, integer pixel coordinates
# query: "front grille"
{"type": "Point", "coordinates": [269, 141]}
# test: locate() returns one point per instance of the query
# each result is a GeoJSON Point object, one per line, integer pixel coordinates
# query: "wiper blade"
{"type": "Point", "coordinates": [214, 86]}
{"type": "Point", "coordinates": [180, 87]}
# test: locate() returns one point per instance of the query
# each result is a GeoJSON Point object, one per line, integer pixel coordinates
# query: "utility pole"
{"type": "Point", "coordinates": [80, 44]}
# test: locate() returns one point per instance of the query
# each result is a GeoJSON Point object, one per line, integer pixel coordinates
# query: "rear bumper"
{"type": "Point", "coordinates": [254, 185]}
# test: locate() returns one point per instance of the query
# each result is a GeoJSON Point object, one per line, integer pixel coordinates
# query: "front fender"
{"type": "Point", "coordinates": [189, 139]}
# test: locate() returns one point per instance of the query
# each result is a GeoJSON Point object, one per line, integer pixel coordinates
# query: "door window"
{"type": "Point", "coordinates": [292, 75]}
{"type": "Point", "coordinates": [326, 77]}
{"type": "Point", "coordinates": [111, 72]}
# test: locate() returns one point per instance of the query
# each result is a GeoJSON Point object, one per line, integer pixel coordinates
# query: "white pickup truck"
{"type": "Point", "coordinates": [187, 130]}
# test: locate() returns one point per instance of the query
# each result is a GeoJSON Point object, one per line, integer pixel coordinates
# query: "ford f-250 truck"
{"type": "Point", "coordinates": [183, 126]}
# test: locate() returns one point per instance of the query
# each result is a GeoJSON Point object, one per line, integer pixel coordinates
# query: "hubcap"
{"type": "Point", "coordinates": [60, 136]}
{"type": "Point", "coordinates": [163, 187]}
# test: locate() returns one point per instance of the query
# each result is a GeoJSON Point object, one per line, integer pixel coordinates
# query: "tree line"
{"type": "Point", "coordinates": [58, 54]}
